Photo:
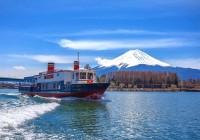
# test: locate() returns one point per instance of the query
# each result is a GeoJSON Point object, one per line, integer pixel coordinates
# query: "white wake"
{"type": "Point", "coordinates": [16, 116]}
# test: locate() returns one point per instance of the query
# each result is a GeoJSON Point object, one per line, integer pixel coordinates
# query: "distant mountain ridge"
{"type": "Point", "coordinates": [136, 60]}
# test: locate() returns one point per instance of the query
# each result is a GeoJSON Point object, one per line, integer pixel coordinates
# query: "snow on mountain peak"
{"type": "Point", "coordinates": [129, 59]}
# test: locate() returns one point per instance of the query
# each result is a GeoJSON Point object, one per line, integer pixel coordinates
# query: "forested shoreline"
{"type": "Point", "coordinates": [149, 81]}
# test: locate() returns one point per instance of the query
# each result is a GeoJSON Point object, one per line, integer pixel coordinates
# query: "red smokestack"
{"type": "Point", "coordinates": [50, 67]}
{"type": "Point", "coordinates": [76, 65]}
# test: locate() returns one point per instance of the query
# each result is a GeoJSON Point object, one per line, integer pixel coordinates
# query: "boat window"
{"type": "Point", "coordinates": [82, 75]}
{"type": "Point", "coordinates": [57, 85]}
{"type": "Point", "coordinates": [77, 77]}
{"type": "Point", "coordinates": [90, 76]}
{"type": "Point", "coordinates": [49, 85]}
{"type": "Point", "coordinates": [54, 85]}
{"type": "Point", "coordinates": [42, 86]}
{"type": "Point", "coordinates": [46, 86]}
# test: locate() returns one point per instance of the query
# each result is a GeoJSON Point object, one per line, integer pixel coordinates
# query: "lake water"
{"type": "Point", "coordinates": [119, 115]}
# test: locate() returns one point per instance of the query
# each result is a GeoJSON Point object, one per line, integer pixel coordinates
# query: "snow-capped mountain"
{"type": "Point", "coordinates": [130, 59]}
{"type": "Point", "coordinates": [136, 60]}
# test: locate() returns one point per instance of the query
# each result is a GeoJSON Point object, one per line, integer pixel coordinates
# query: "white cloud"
{"type": "Point", "coordinates": [100, 32]}
{"type": "Point", "coordinates": [53, 58]}
{"type": "Point", "coordinates": [186, 63]}
{"type": "Point", "coordinates": [15, 73]}
{"type": "Point", "coordinates": [103, 62]}
{"type": "Point", "coordinates": [133, 32]}
{"type": "Point", "coordinates": [118, 31]}
{"type": "Point", "coordinates": [118, 44]}
{"type": "Point", "coordinates": [19, 67]}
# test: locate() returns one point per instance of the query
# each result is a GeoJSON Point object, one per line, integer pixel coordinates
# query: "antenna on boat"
{"type": "Point", "coordinates": [78, 56]}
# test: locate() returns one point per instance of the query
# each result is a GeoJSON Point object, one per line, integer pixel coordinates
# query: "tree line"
{"type": "Point", "coordinates": [190, 84]}
{"type": "Point", "coordinates": [141, 79]}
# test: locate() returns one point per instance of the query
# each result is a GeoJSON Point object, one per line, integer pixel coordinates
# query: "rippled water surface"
{"type": "Point", "coordinates": [119, 115]}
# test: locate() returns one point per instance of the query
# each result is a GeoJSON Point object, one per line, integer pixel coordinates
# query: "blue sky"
{"type": "Point", "coordinates": [33, 32]}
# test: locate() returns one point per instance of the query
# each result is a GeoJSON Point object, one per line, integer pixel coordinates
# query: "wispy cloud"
{"type": "Point", "coordinates": [117, 31]}
{"type": "Point", "coordinates": [53, 58]}
{"type": "Point", "coordinates": [50, 37]}
{"type": "Point", "coordinates": [185, 62]}
{"type": "Point", "coordinates": [133, 32]}
{"type": "Point", "coordinates": [19, 67]}
{"type": "Point", "coordinates": [15, 73]}
{"type": "Point", "coordinates": [118, 44]}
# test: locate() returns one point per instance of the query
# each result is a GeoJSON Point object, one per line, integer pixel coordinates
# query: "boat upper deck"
{"type": "Point", "coordinates": [75, 76]}
{"type": "Point", "coordinates": [68, 76]}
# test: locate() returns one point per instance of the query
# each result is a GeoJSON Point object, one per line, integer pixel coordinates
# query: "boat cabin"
{"type": "Point", "coordinates": [83, 76]}
{"type": "Point", "coordinates": [59, 80]}
{"type": "Point", "coordinates": [54, 77]}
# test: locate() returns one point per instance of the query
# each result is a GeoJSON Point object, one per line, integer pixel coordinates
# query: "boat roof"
{"type": "Point", "coordinates": [85, 70]}
{"type": "Point", "coordinates": [57, 71]}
